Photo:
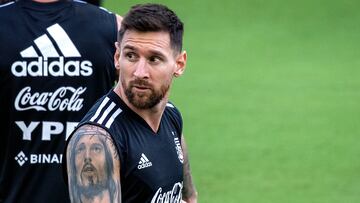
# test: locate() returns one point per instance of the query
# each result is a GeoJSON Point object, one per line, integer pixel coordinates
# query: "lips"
{"type": "Point", "coordinates": [141, 87]}
{"type": "Point", "coordinates": [140, 84]}
{"type": "Point", "coordinates": [88, 168]}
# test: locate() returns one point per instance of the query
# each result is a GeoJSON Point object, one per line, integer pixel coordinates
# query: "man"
{"type": "Point", "coordinates": [141, 129]}
{"type": "Point", "coordinates": [51, 53]}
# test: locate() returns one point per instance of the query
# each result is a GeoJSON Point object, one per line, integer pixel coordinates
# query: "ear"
{"type": "Point", "coordinates": [117, 56]}
{"type": "Point", "coordinates": [180, 64]}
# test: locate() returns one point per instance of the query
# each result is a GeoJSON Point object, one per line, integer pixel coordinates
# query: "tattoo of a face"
{"type": "Point", "coordinates": [93, 166]}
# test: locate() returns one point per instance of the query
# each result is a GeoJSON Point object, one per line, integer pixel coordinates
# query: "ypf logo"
{"type": "Point", "coordinates": [21, 158]}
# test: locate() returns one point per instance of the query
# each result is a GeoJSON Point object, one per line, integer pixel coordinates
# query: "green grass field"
{"type": "Point", "coordinates": [270, 99]}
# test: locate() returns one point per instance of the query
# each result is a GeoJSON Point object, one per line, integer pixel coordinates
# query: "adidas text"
{"type": "Point", "coordinates": [144, 165]}
{"type": "Point", "coordinates": [144, 162]}
{"type": "Point", "coordinates": [57, 68]}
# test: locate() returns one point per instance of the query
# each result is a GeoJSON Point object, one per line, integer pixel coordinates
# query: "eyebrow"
{"type": "Point", "coordinates": [129, 47]}
{"type": "Point", "coordinates": [97, 144]}
{"type": "Point", "coordinates": [154, 52]}
{"type": "Point", "coordinates": [80, 145]}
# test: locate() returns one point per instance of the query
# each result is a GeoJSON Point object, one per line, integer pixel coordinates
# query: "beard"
{"type": "Point", "coordinates": [93, 190]}
{"type": "Point", "coordinates": [144, 100]}
{"type": "Point", "coordinates": [94, 185]}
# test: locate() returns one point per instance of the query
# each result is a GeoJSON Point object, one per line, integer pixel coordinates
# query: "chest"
{"type": "Point", "coordinates": [154, 159]}
{"type": "Point", "coordinates": [56, 45]}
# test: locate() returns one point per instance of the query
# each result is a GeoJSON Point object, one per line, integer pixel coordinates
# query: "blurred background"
{"type": "Point", "coordinates": [270, 98]}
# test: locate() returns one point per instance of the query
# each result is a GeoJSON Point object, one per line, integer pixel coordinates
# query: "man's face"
{"type": "Point", "coordinates": [147, 64]}
{"type": "Point", "coordinates": [90, 162]}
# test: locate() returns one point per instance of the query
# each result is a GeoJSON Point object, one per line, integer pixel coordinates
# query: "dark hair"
{"type": "Point", "coordinates": [153, 18]}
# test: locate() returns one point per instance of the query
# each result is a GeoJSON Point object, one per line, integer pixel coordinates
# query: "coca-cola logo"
{"type": "Point", "coordinates": [62, 99]}
{"type": "Point", "coordinates": [172, 196]}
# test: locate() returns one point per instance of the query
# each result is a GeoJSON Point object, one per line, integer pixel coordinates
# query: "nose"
{"type": "Point", "coordinates": [141, 69]}
{"type": "Point", "coordinates": [87, 157]}
{"type": "Point", "coordinates": [87, 160]}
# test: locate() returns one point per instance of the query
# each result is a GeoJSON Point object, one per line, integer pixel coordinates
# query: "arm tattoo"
{"type": "Point", "coordinates": [93, 166]}
{"type": "Point", "coordinates": [189, 191]}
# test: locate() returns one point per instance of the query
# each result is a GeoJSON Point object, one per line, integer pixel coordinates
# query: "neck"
{"type": "Point", "coordinates": [151, 116]}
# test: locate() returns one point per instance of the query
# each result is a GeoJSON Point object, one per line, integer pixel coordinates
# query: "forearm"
{"type": "Point", "coordinates": [189, 193]}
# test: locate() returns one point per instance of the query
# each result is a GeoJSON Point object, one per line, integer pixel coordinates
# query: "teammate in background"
{"type": "Point", "coordinates": [56, 60]}
{"type": "Point", "coordinates": [95, 2]}
{"type": "Point", "coordinates": [135, 123]}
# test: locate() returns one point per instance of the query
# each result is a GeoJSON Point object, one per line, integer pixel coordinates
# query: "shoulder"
{"type": "Point", "coordinates": [7, 8]}
{"type": "Point", "coordinates": [90, 130]}
{"type": "Point", "coordinates": [104, 112]}
{"type": "Point", "coordinates": [7, 5]}
{"type": "Point", "coordinates": [102, 19]}
{"type": "Point", "coordinates": [92, 8]}
{"type": "Point", "coordinates": [8, 18]}
{"type": "Point", "coordinates": [173, 113]}
{"type": "Point", "coordinates": [172, 109]}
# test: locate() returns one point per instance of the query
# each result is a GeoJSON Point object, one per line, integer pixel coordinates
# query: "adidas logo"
{"type": "Point", "coordinates": [144, 162]}
{"type": "Point", "coordinates": [44, 50]}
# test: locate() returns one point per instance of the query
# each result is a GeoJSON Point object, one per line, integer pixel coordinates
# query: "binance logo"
{"type": "Point", "coordinates": [21, 158]}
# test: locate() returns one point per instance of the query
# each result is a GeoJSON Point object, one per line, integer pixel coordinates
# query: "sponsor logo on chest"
{"type": "Point", "coordinates": [21, 158]}
{"type": "Point", "coordinates": [62, 99]}
{"type": "Point", "coordinates": [54, 54]}
{"type": "Point", "coordinates": [144, 162]}
{"type": "Point", "coordinates": [171, 196]}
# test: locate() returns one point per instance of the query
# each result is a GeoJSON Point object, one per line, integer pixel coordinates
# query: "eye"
{"type": "Point", "coordinates": [155, 59]}
{"type": "Point", "coordinates": [80, 149]}
{"type": "Point", "coordinates": [97, 148]}
{"type": "Point", "coordinates": [131, 56]}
